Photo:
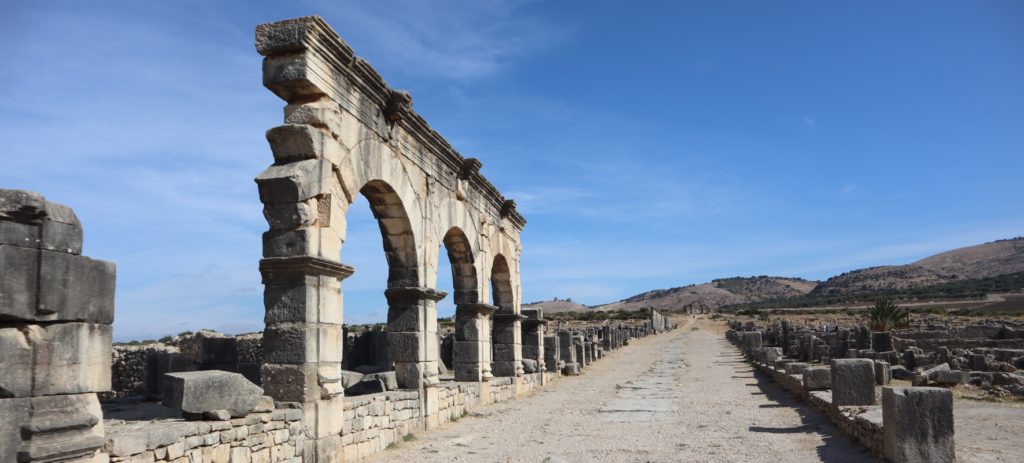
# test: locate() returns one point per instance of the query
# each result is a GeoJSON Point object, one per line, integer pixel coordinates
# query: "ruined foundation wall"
{"type": "Point", "coordinates": [273, 436]}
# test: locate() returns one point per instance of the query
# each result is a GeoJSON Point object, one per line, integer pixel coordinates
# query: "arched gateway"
{"type": "Point", "coordinates": [346, 133]}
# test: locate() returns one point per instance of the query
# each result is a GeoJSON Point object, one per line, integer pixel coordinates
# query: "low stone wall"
{"type": "Point", "coordinates": [375, 421]}
{"type": "Point", "coordinates": [271, 436]}
{"type": "Point", "coordinates": [455, 399]}
{"type": "Point", "coordinates": [861, 422]}
{"type": "Point", "coordinates": [128, 367]}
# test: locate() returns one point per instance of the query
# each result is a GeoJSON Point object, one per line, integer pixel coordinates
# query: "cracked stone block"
{"type": "Point", "coordinates": [198, 392]}
{"type": "Point", "coordinates": [883, 373]}
{"type": "Point", "coordinates": [918, 424]}
{"type": "Point", "coordinates": [817, 378]}
{"type": "Point", "coordinates": [52, 428]}
{"type": "Point", "coordinates": [853, 382]}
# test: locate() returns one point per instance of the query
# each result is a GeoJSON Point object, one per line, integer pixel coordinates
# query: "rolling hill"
{"type": "Point", "coordinates": [948, 272]}
{"type": "Point", "coordinates": [981, 261]}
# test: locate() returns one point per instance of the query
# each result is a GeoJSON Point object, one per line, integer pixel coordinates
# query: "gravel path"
{"type": "Point", "coordinates": [682, 396]}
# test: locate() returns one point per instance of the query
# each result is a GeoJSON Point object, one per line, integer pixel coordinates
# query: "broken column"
{"type": "Point", "coordinates": [568, 352]}
{"type": "Point", "coordinates": [552, 354]}
{"type": "Point", "coordinates": [853, 382]}
{"type": "Point", "coordinates": [751, 342]}
{"type": "Point", "coordinates": [917, 423]}
{"type": "Point", "coordinates": [533, 340]}
{"type": "Point", "coordinates": [56, 308]}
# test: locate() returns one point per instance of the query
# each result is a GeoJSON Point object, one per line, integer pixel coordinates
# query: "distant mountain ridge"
{"type": "Point", "coordinates": [717, 293]}
{"type": "Point", "coordinates": [980, 261]}
{"type": "Point", "coordinates": [986, 260]}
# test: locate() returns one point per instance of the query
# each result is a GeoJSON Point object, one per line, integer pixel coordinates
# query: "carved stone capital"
{"type": "Point", "coordinates": [474, 309]}
{"type": "Point", "coordinates": [286, 268]}
{"type": "Point", "coordinates": [412, 294]}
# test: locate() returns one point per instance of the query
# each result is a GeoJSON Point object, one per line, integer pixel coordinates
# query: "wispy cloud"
{"type": "Point", "coordinates": [447, 39]}
{"type": "Point", "coordinates": [809, 121]}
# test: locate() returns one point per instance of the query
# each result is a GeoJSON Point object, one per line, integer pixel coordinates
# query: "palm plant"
{"type": "Point", "coordinates": [886, 315]}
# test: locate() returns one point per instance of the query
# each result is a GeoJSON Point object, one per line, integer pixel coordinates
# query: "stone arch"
{"type": "Point", "coordinates": [506, 336]}
{"type": "Point", "coordinates": [396, 230]}
{"type": "Point", "coordinates": [462, 258]}
{"type": "Point", "coordinates": [502, 295]}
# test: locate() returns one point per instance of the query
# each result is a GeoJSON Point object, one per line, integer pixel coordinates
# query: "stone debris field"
{"type": "Point", "coordinates": [501, 383]}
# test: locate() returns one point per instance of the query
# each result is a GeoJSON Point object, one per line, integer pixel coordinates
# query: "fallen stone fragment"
{"type": "Point", "coordinates": [198, 392]}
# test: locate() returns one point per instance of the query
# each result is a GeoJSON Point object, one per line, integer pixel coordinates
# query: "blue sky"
{"type": "Point", "coordinates": [649, 144]}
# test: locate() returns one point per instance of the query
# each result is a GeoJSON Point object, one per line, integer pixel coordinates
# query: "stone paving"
{"type": "Point", "coordinates": [684, 396]}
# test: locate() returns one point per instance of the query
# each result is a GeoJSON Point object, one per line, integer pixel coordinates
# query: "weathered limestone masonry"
{"type": "Point", "coordinates": [56, 310]}
{"type": "Point", "coordinates": [347, 133]}
{"type": "Point", "coordinates": [912, 424]}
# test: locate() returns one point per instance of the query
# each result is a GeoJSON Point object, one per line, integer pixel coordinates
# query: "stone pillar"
{"type": "Point", "coordinates": [917, 423]}
{"type": "Point", "coordinates": [751, 342]}
{"type": "Point", "coordinates": [472, 354]}
{"type": "Point", "coordinates": [507, 344]}
{"type": "Point", "coordinates": [568, 352]}
{"type": "Point", "coordinates": [881, 341]}
{"type": "Point", "coordinates": [853, 382]}
{"type": "Point", "coordinates": [533, 337]}
{"type": "Point", "coordinates": [412, 330]}
{"type": "Point", "coordinates": [552, 354]}
{"type": "Point", "coordinates": [56, 310]}
{"type": "Point", "coordinates": [883, 373]}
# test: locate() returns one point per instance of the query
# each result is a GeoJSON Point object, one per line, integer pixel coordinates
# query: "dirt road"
{"type": "Point", "coordinates": [681, 396]}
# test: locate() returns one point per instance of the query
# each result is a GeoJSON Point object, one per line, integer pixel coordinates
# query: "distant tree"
{"type": "Point", "coordinates": [886, 315]}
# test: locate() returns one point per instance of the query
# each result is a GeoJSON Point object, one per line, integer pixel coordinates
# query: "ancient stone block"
{"type": "Point", "coordinates": [406, 347]}
{"type": "Point", "coordinates": [948, 377]}
{"type": "Point", "coordinates": [918, 424]}
{"type": "Point", "coordinates": [883, 373]}
{"type": "Point", "coordinates": [817, 378]}
{"type": "Point", "coordinates": [795, 368]}
{"type": "Point", "coordinates": [52, 428]}
{"type": "Point", "coordinates": [388, 378]}
{"type": "Point", "coordinates": [290, 342]}
{"type": "Point", "coordinates": [297, 142]}
{"type": "Point", "coordinates": [28, 220]}
{"type": "Point", "coordinates": [18, 295]}
{"type": "Point", "coordinates": [15, 363]}
{"type": "Point", "coordinates": [881, 341]}
{"type": "Point", "coordinates": [751, 342]}
{"type": "Point", "coordinates": [853, 382]}
{"type": "Point", "coordinates": [197, 392]}
{"type": "Point", "coordinates": [294, 182]}
{"type": "Point", "coordinates": [75, 288]}
{"type": "Point", "coordinates": [70, 358]}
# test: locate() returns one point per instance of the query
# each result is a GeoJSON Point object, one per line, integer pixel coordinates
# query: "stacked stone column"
{"type": "Point", "coordinates": [472, 349]}
{"type": "Point", "coordinates": [533, 337]}
{"type": "Point", "coordinates": [507, 344]}
{"type": "Point", "coordinates": [56, 308]}
{"type": "Point", "coordinates": [412, 330]}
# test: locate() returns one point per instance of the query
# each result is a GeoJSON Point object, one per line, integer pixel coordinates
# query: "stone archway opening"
{"type": "Point", "coordinates": [505, 334]}
{"type": "Point", "coordinates": [471, 343]}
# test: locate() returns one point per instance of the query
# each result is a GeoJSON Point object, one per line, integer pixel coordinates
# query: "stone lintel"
{"type": "Point", "coordinates": [276, 269]}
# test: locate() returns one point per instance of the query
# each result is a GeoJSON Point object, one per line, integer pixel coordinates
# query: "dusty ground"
{"type": "Point", "coordinates": [684, 396]}
{"type": "Point", "coordinates": [988, 432]}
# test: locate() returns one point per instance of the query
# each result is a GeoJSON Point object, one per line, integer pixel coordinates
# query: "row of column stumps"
{"type": "Point", "coordinates": [917, 421]}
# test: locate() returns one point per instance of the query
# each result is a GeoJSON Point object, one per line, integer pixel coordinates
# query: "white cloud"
{"type": "Point", "coordinates": [448, 39]}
